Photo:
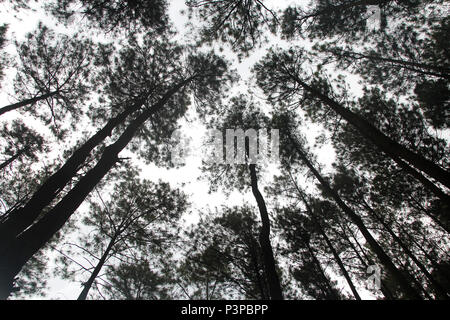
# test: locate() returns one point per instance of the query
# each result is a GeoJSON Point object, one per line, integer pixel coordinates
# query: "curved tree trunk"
{"type": "Point", "coordinates": [261, 283]}
{"type": "Point", "coordinates": [264, 239]}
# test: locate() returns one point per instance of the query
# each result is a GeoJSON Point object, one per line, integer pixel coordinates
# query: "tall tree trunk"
{"type": "Point", "coordinates": [34, 238]}
{"type": "Point", "coordinates": [327, 240]}
{"type": "Point", "coordinates": [23, 217]}
{"type": "Point", "coordinates": [384, 289]}
{"type": "Point", "coordinates": [338, 259]}
{"type": "Point", "coordinates": [445, 198]}
{"type": "Point", "coordinates": [264, 239]}
{"type": "Point", "coordinates": [340, 263]}
{"type": "Point", "coordinates": [330, 290]}
{"type": "Point", "coordinates": [383, 142]}
{"type": "Point", "coordinates": [409, 291]}
{"type": "Point", "coordinates": [426, 253]}
{"type": "Point", "coordinates": [87, 286]}
{"type": "Point", "coordinates": [27, 102]}
{"type": "Point", "coordinates": [432, 215]}
{"type": "Point", "coordinates": [410, 65]}
{"type": "Point", "coordinates": [440, 291]}
{"type": "Point", "coordinates": [404, 264]}
{"type": "Point", "coordinates": [262, 287]}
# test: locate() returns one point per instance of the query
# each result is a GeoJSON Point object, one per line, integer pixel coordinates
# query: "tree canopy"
{"type": "Point", "coordinates": [318, 169]}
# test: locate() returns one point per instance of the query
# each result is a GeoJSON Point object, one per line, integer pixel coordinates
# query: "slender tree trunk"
{"type": "Point", "coordinates": [412, 278]}
{"type": "Point", "coordinates": [330, 290]}
{"type": "Point", "coordinates": [443, 224]}
{"type": "Point", "coordinates": [383, 142]}
{"type": "Point", "coordinates": [254, 258]}
{"type": "Point", "coordinates": [23, 217]}
{"type": "Point", "coordinates": [384, 289]}
{"type": "Point", "coordinates": [445, 198]}
{"type": "Point", "coordinates": [34, 238]}
{"type": "Point", "coordinates": [440, 291]}
{"type": "Point", "coordinates": [264, 239]}
{"type": "Point", "coordinates": [387, 294]}
{"type": "Point", "coordinates": [340, 263]}
{"type": "Point", "coordinates": [382, 256]}
{"type": "Point", "coordinates": [27, 102]}
{"type": "Point", "coordinates": [436, 265]}
{"type": "Point", "coordinates": [207, 288]}
{"type": "Point", "coordinates": [87, 286]}
{"type": "Point", "coordinates": [425, 253]}
{"type": "Point", "coordinates": [11, 159]}
{"type": "Point", "coordinates": [327, 240]}
{"type": "Point", "coordinates": [438, 71]}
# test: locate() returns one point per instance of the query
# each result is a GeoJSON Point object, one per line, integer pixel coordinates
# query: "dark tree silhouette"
{"type": "Point", "coordinates": [204, 71]}
{"type": "Point", "coordinates": [358, 90]}
{"type": "Point", "coordinates": [290, 137]}
{"type": "Point", "coordinates": [116, 15]}
{"type": "Point", "coordinates": [242, 24]}
{"type": "Point", "coordinates": [349, 19]}
{"type": "Point", "coordinates": [245, 115]}
{"type": "Point", "coordinates": [20, 143]}
{"type": "Point", "coordinates": [136, 218]}
{"type": "Point", "coordinates": [53, 71]}
{"type": "Point", "coordinates": [284, 81]}
{"type": "Point", "coordinates": [225, 258]}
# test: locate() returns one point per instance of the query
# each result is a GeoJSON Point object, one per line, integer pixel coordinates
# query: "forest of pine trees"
{"type": "Point", "coordinates": [91, 92]}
